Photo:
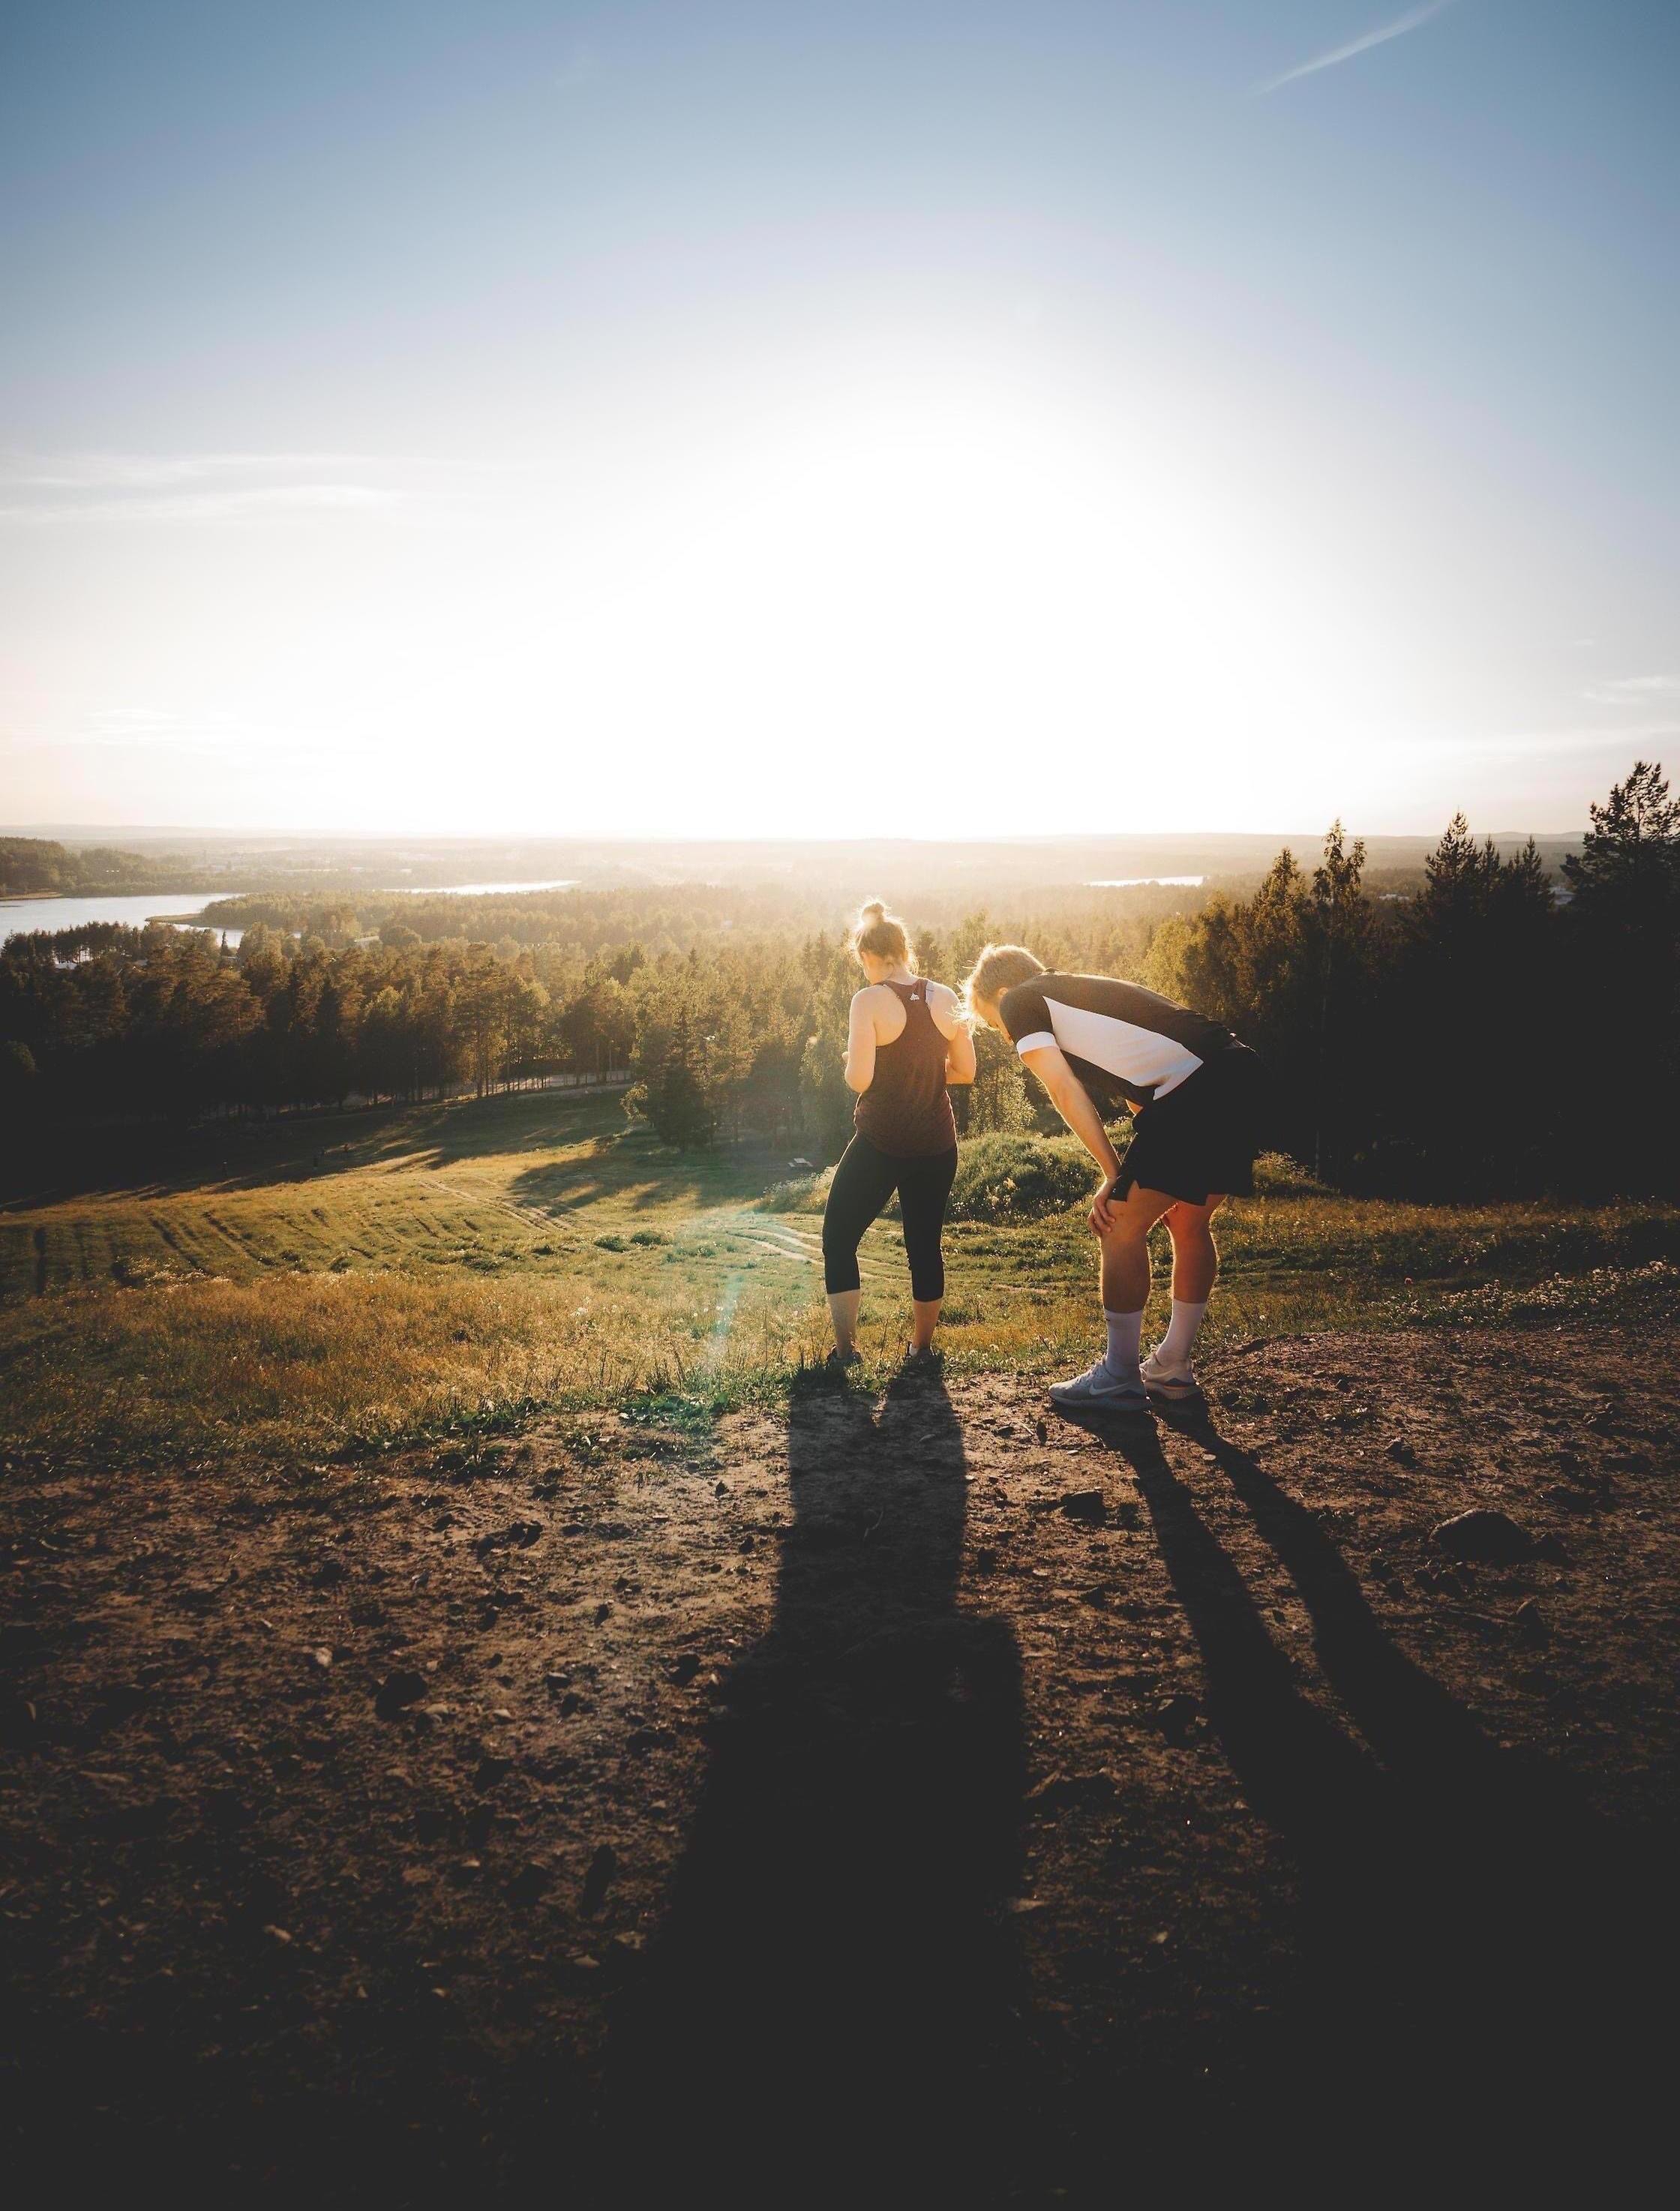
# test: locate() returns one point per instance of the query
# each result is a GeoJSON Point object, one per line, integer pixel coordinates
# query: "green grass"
{"type": "Point", "coordinates": [448, 1270]}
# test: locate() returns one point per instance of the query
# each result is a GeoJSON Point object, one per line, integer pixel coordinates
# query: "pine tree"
{"type": "Point", "coordinates": [676, 1100]}
{"type": "Point", "coordinates": [1339, 934]}
{"type": "Point", "coordinates": [1624, 926]}
{"type": "Point", "coordinates": [19, 1087]}
{"type": "Point", "coordinates": [1466, 1039]}
{"type": "Point", "coordinates": [1628, 875]}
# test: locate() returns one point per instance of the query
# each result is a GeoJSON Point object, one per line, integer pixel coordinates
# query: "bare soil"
{"type": "Point", "coordinates": [914, 1798]}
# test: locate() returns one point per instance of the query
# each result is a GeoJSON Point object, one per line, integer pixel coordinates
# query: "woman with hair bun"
{"type": "Point", "coordinates": [906, 1043]}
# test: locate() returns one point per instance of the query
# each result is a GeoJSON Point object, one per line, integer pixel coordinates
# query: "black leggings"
{"type": "Point", "coordinates": [863, 1181]}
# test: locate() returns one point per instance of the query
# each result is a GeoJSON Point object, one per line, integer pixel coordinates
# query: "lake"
{"type": "Point", "coordinates": [135, 909]}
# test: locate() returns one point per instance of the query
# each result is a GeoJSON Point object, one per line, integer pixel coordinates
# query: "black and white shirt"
{"type": "Point", "coordinates": [1120, 1039]}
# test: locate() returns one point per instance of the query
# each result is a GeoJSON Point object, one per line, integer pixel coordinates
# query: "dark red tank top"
{"type": "Point", "coordinates": [906, 1111]}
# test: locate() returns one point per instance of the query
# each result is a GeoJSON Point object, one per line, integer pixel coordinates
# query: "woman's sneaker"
{"type": "Point", "coordinates": [1173, 1385]}
{"type": "Point", "coordinates": [838, 1360]}
{"type": "Point", "coordinates": [1097, 1390]}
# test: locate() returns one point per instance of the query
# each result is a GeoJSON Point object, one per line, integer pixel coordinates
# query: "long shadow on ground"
{"type": "Point", "coordinates": [144, 1159]}
{"type": "Point", "coordinates": [832, 2009]}
{"type": "Point", "coordinates": [1482, 1954]}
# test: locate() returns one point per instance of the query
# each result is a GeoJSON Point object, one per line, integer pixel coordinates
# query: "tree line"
{"type": "Point", "coordinates": [41, 867]}
{"type": "Point", "coordinates": [1492, 1034]}
{"type": "Point", "coordinates": [104, 1023]}
{"type": "Point", "coordinates": [1488, 1032]}
{"type": "Point", "coordinates": [658, 917]}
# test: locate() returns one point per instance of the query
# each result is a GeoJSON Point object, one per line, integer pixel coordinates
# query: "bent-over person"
{"type": "Point", "coordinates": [1195, 1093]}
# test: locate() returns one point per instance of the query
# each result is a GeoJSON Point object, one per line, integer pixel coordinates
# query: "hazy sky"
{"type": "Point", "coordinates": [691, 418]}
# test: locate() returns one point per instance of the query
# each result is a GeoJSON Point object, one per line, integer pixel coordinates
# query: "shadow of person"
{"type": "Point", "coordinates": [832, 2001]}
{"type": "Point", "coordinates": [1468, 1945]}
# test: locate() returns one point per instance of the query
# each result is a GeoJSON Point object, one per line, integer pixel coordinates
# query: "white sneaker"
{"type": "Point", "coordinates": [1097, 1390]}
{"type": "Point", "coordinates": [1173, 1383]}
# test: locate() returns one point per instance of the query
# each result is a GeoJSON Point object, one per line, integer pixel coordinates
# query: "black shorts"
{"type": "Point", "coordinates": [1201, 1138]}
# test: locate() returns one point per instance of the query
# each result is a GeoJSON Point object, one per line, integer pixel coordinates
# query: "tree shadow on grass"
{"type": "Point", "coordinates": [832, 2009]}
{"type": "Point", "coordinates": [645, 1176]}
{"type": "Point", "coordinates": [1480, 1950]}
{"type": "Point", "coordinates": [215, 1157]}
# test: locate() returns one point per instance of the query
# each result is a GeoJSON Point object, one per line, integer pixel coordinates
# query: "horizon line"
{"type": "Point", "coordinates": [528, 838]}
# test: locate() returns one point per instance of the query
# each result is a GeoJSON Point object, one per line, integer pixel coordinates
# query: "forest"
{"type": "Point", "coordinates": [40, 866]}
{"type": "Point", "coordinates": [1491, 1032]}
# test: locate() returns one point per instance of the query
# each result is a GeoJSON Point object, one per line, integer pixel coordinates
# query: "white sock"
{"type": "Point", "coordinates": [1174, 1350]}
{"type": "Point", "coordinates": [1125, 1333]}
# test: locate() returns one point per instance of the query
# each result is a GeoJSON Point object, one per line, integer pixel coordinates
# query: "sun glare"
{"type": "Point", "coordinates": [957, 591]}
{"type": "Point", "coordinates": [929, 601]}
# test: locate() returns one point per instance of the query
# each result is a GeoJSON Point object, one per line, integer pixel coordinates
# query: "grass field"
{"type": "Point", "coordinates": [338, 1285]}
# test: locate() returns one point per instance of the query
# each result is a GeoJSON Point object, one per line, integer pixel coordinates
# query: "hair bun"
{"type": "Point", "coordinates": [882, 935]}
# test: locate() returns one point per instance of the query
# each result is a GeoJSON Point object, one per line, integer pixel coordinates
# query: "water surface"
{"type": "Point", "coordinates": [1139, 882]}
{"type": "Point", "coordinates": [134, 909]}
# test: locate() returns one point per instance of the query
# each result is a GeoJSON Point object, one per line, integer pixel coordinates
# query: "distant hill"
{"type": "Point", "coordinates": [41, 866]}
{"type": "Point", "coordinates": [837, 873]}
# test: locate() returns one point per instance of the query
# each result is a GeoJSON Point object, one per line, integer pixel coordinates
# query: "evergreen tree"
{"type": "Point", "coordinates": [1464, 1036]}
{"type": "Point", "coordinates": [18, 1087]}
{"type": "Point", "coordinates": [826, 1104]}
{"type": "Point", "coordinates": [676, 1103]}
{"type": "Point", "coordinates": [1339, 941]}
{"type": "Point", "coordinates": [1623, 925]}
{"type": "Point", "coordinates": [1627, 876]}
{"type": "Point", "coordinates": [772, 1089]}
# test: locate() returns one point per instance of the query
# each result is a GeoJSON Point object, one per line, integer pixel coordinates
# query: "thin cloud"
{"type": "Point", "coordinates": [200, 487]}
{"type": "Point", "coordinates": [120, 472]}
{"type": "Point", "coordinates": [1413, 20]}
{"type": "Point", "coordinates": [1575, 740]}
{"type": "Point", "coordinates": [141, 730]}
{"type": "Point", "coordinates": [1632, 690]}
{"type": "Point", "coordinates": [121, 727]}
{"type": "Point", "coordinates": [249, 505]}
{"type": "Point", "coordinates": [107, 730]}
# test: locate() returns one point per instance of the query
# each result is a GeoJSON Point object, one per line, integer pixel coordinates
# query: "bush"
{"type": "Point", "coordinates": [1022, 1177]}
{"type": "Point", "coordinates": [806, 1193]}
{"type": "Point", "coordinates": [1019, 1178]}
{"type": "Point", "coordinates": [1276, 1175]}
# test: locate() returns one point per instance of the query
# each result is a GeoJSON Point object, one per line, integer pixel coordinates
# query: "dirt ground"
{"type": "Point", "coordinates": [915, 1798]}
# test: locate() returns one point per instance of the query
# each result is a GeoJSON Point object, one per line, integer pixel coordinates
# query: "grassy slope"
{"type": "Point", "coordinates": [358, 1281]}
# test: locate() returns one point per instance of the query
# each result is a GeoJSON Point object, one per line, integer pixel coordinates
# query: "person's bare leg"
{"type": "Point", "coordinates": [1195, 1254]}
{"type": "Point", "coordinates": [1125, 1269]}
{"type": "Point", "coordinates": [843, 1312]}
{"type": "Point", "coordinates": [1115, 1381]}
{"type": "Point", "coordinates": [924, 1318]}
{"type": "Point", "coordinates": [1126, 1272]}
{"type": "Point", "coordinates": [1195, 1271]}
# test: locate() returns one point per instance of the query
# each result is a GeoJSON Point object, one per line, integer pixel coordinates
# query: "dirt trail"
{"type": "Point", "coordinates": [915, 1786]}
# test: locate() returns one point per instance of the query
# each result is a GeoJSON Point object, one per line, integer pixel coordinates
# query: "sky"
{"type": "Point", "coordinates": [892, 417]}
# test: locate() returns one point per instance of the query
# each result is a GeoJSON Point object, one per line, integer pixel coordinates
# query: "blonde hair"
{"type": "Point", "coordinates": [999, 968]}
{"type": "Point", "coordinates": [882, 934]}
